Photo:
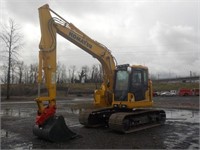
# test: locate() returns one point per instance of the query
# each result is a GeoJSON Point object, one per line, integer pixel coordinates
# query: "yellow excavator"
{"type": "Point", "coordinates": [123, 97]}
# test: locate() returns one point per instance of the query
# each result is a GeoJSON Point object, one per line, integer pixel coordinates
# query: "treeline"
{"type": "Point", "coordinates": [22, 73]}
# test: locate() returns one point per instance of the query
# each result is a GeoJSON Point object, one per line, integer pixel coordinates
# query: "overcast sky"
{"type": "Point", "coordinates": [162, 34]}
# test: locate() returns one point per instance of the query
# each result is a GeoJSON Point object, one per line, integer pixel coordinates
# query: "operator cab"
{"type": "Point", "coordinates": [130, 79]}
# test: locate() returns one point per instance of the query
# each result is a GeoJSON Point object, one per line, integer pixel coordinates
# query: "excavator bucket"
{"type": "Point", "coordinates": [54, 130]}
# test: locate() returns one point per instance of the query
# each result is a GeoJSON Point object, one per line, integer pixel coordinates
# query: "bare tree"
{"type": "Point", "coordinates": [33, 73]}
{"type": "Point", "coordinates": [13, 72]}
{"type": "Point", "coordinates": [58, 71]}
{"type": "Point", "coordinates": [12, 40]}
{"type": "Point", "coordinates": [83, 74]}
{"type": "Point", "coordinates": [63, 74]}
{"type": "Point", "coordinates": [96, 72]}
{"type": "Point", "coordinates": [4, 73]}
{"type": "Point", "coordinates": [26, 74]}
{"type": "Point", "coordinates": [100, 73]}
{"type": "Point", "coordinates": [86, 70]}
{"type": "Point", "coordinates": [20, 66]}
{"type": "Point", "coordinates": [72, 70]}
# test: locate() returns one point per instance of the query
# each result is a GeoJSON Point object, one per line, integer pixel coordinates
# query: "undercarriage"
{"type": "Point", "coordinates": [123, 120]}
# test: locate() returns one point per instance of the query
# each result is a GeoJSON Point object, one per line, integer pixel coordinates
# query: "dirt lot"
{"type": "Point", "coordinates": [181, 130]}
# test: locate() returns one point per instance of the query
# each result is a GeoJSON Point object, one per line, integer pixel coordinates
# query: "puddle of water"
{"type": "Point", "coordinates": [185, 135]}
{"type": "Point", "coordinates": [191, 116]}
{"type": "Point", "coordinates": [75, 100]}
{"type": "Point", "coordinates": [15, 112]}
{"type": "Point", "coordinates": [74, 111]}
{"type": "Point", "coordinates": [6, 134]}
{"type": "Point", "coordinates": [83, 99]}
{"type": "Point", "coordinates": [26, 102]}
{"type": "Point", "coordinates": [23, 146]}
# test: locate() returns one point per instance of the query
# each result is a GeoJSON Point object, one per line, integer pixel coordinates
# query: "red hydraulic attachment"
{"type": "Point", "coordinates": [48, 112]}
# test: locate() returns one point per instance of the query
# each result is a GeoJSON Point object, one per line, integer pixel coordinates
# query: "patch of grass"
{"type": "Point", "coordinates": [173, 86]}
{"type": "Point", "coordinates": [87, 88]}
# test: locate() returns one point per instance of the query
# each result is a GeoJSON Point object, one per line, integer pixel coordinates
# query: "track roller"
{"type": "Point", "coordinates": [128, 122]}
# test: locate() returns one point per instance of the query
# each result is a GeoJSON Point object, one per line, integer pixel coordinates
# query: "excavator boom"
{"type": "Point", "coordinates": [46, 121]}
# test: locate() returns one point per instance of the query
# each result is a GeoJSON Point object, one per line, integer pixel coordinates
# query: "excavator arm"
{"type": "Point", "coordinates": [50, 27]}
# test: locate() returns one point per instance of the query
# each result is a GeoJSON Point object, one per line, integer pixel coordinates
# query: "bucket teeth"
{"type": "Point", "coordinates": [54, 129]}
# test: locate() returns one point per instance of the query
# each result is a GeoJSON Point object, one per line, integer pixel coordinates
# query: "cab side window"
{"type": "Point", "coordinates": [137, 78]}
{"type": "Point", "coordinates": [145, 77]}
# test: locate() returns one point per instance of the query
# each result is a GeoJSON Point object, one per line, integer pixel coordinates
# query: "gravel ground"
{"type": "Point", "coordinates": [181, 130]}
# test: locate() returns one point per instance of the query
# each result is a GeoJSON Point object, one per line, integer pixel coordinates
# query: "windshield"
{"type": "Point", "coordinates": [121, 80]}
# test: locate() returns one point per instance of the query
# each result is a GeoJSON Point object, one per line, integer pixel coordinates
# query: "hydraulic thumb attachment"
{"type": "Point", "coordinates": [50, 127]}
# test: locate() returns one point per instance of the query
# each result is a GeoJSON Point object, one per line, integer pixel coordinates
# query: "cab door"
{"type": "Point", "coordinates": [139, 83]}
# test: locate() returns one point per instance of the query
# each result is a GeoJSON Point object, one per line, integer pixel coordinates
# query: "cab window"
{"type": "Point", "coordinates": [136, 77]}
